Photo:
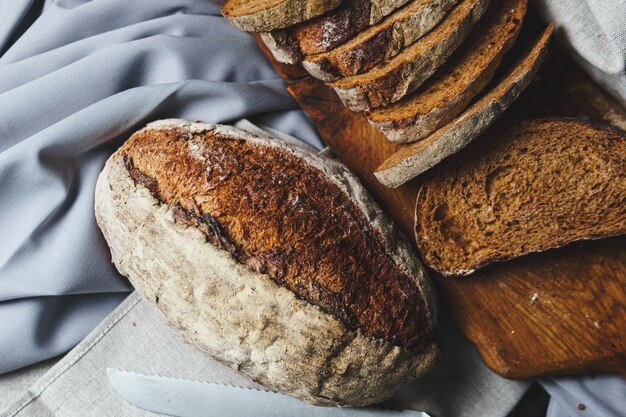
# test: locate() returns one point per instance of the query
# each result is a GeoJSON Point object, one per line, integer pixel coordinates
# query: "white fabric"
{"type": "Point", "coordinates": [594, 32]}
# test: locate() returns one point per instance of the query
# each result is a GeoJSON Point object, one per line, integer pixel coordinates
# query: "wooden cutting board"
{"type": "Point", "coordinates": [563, 311]}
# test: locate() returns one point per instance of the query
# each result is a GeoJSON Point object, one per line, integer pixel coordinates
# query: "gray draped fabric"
{"type": "Point", "coordinates": [74, 85]}
{"type": "Point", "coordinates": [594, 33]}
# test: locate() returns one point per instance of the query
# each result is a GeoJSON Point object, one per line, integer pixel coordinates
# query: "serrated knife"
{"type": "Point", "coordinates": [186, 398]}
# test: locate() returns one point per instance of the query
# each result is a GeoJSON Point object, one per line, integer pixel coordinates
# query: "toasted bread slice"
{"type": "Point", "coordinates": [389, 81]}
{"type": "Point", "coordinates": [380, 42]}
{"type": "Point", "coordinates": [267, 15]}
{"type": "Point", "coordinates": [416, 158]}
{"type": "Point", "coordinates": [523, 187]}
{"type": "Point", "coordinates": [447, 93]}
{"type": "Point", "coordinates": [328, 31]}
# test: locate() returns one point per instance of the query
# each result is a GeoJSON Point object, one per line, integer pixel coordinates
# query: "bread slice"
{"type": "Point", "coordinates": [380, 42]}
{"type": "Point", "coordinates": [328, 31]}
{"type": "Point", "coordinates": [523, 187]}
{"type": "Point", "coordinates": [389, 81]}
{"type": "Point", "coordinates": [270, 258]}
{"type": "Point", "coordinates": [416, 158]}
{"type": "Point", "coordinates": [267, 15]}
{"type": "Point", "coordinates": [446, 94]}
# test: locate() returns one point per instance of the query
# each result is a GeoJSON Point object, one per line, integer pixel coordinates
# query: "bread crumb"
{"type": "Point", "coordinates": [597, 324]}
{"type": "Point", "coordinates": [534, 298]}
{"type": "Point", "coordinates": [581, 406]}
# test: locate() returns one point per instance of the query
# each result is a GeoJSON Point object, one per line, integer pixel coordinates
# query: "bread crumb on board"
{"type": "Point", "coordinates": [534, 298]}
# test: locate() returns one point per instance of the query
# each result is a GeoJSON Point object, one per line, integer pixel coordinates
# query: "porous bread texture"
{"type": "Point", "coordinates": [443, 96]}
{"type": "Point", "coordinates": [524, 187]}
{"type": "Point", "coordinates": [327, 31]}
{"type": "Point", "coordinates": [391, 80]}
{"type": "Point", "coordinates": [418, 157]}
{"type": "Point", "coordinates": [380, 42]}
{"type": "Point", "coordinates": [241, 317]}
{"type": "Point", "coordinates": [268, 15]}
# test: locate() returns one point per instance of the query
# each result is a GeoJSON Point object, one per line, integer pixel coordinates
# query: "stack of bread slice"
{"type": "Point", "coordinates": [424, 72]}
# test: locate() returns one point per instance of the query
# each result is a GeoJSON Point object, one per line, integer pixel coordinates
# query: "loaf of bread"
{"type": "Point", "coordinates": [267, 15]}
{"type": "Point", "coordinates": [523, 187]}
{"type": "Point", "coordinates": [270, 258]}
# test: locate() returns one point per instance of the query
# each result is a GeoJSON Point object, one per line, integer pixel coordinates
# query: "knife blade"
{"type": "Point", "coordinates": [186, 398]}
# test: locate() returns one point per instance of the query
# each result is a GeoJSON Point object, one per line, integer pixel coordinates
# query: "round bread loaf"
{"type": "Point", "coordinates": [269, 258]}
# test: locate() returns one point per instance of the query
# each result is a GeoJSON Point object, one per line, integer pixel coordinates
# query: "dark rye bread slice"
{"type": "Point", "coordinates": [523, 187]}
{"type": "Point", "coordinates": [391, 80]}
{"type": "Point", "coordinates": [267, 15]}
{"type": "Point", "coordinates": [418, 157]}
{"type": "Point", "coordinates": [328, 31]}
{"type": "Point", "coordinates": [270, 258]}
{"type": "Point", "coordinates": [447, 93]}
{"type": "Point", "coordinates": [380, 42]}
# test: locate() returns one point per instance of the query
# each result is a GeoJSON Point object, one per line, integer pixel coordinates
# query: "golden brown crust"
{"type": "Point", "coordinates": [380, 42]}
{"type": "Point", "coordinates": [241, 317]}
{"type": "Point", "coordinates": [332, 29]}
{"type": "Point", "coordinates": [280, 216]}
{"type": "Point", "coordinates": [320, 34]}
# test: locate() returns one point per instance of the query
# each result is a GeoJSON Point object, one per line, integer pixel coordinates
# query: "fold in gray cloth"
{"type": "Point", "coordinates": [82, 78]}
{"type": "Point", "coordinates": [594, 33]}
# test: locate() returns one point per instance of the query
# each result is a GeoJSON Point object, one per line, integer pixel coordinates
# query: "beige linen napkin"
{"type": "Point", "coordinates": [135, 337]}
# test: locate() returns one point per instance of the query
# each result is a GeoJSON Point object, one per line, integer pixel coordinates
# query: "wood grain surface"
{"type": "Point", "coordinates": [562, 311]}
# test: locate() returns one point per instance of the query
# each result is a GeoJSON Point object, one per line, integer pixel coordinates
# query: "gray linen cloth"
{"type": "Point", "coordinates": [76, 78]}
{"type": "Point", "coordinates": [134, 337]}
{"type": "Point", "coordinates": [83, 77]}
{"type": "Point", "coordinates": [594, 32]}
